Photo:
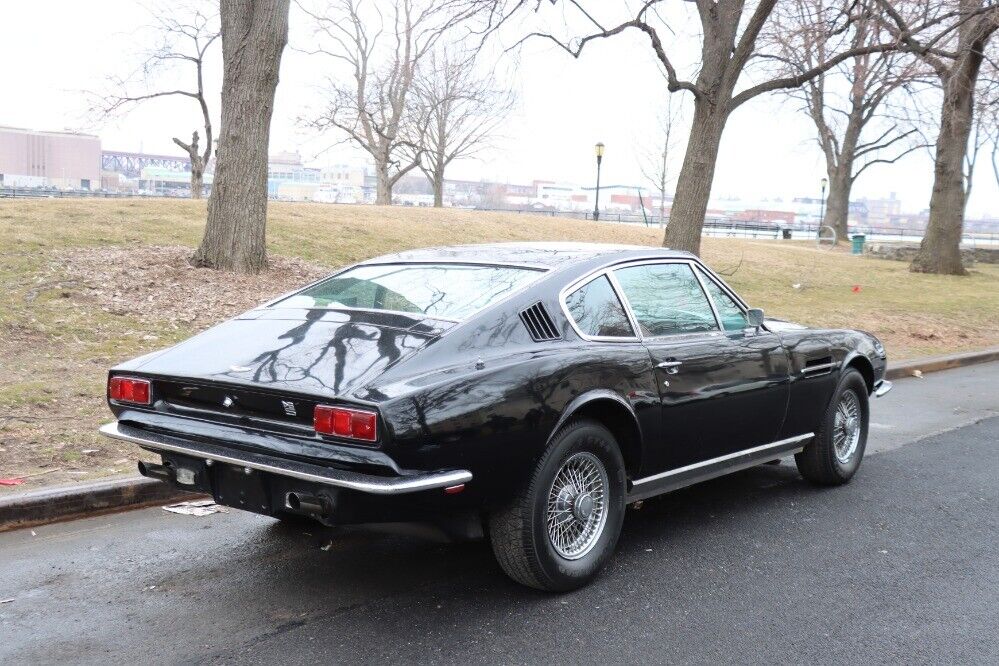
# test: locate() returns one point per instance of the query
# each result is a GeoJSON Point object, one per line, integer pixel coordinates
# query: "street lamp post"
{"type": "Point", "coordinates": [822, 209]}
{"type": "Point", "coordinates": [599, 148]}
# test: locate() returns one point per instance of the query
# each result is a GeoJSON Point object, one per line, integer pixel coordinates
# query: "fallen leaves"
{"type": "Point", "coordinates": [157, 286]}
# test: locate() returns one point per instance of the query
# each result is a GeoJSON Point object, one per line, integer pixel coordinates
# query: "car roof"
{"type": "Point", "coordinates": [536, 255]}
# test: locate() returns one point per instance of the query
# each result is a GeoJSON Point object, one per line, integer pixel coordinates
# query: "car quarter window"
{"type": "Point", "coordinates": [732, 316]}
{"type": "Point", "coordinates": [666, 299]}
{"type": "Point", "coordinates": [597, 310]}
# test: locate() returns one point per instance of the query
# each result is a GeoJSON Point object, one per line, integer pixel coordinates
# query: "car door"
{"type": "Point", "coordinates": [760, 359]}
{"type": "Point", "coordinates": [720, 391]}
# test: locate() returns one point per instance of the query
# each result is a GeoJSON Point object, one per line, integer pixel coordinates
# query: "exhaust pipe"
{"type": "Point", "coordinates": [154, 471]}
{"type": "Point", "coordinates": [312, 505]}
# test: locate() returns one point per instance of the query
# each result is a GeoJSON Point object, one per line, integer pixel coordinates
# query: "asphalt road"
{"type": "Point", "coordinates": [902, 565]}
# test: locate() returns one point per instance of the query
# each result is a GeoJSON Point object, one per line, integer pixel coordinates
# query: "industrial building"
{"type": "Point", "coordinates": [49, 159]}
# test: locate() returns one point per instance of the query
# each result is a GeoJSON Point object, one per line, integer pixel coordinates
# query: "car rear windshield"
{"type": "Point", "coordinates": [444, 291]}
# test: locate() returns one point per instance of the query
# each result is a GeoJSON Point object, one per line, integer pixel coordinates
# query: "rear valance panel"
{"type": "Point", "coordinates": [233, 403]}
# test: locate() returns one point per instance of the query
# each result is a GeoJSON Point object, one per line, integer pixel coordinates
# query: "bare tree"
{"type": "Point", "coordinates": [372, 103]}
{"type": "Point", "coordinates": [955, 54]}
{"type": "Point", "coordinates": [985, 129]}
{"type": "Point", "coordinates": [184, 38]}
{"type": "Point", "coordinates": [254, 34]}
{"type": "Point", "coordinates": [461, 108]}
{"type": "Point", "coordinates": [730, 32]}
{"type": "Point", "coordinates": [854, 126]}
{"type": "Point", "coordinates": [995, 152]}
{"type": "Point", "coordinates": [656, 165]}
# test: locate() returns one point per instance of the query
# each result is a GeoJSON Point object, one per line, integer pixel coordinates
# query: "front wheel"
{"type": "Point", "coordinates": [563, 525]}
{"type": "Point", "coordinates": [832, 458]}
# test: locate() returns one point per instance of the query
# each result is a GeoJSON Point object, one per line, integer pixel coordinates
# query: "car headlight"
{"type": "Point", "coordinates": [879, 348]}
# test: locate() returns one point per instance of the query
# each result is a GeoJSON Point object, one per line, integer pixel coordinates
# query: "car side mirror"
{"type": "Point", "coordinates": [755, 317]}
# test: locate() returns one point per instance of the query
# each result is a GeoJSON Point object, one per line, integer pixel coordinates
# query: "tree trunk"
{"type": "Point", "coordinates": [197, 180]}
{"type": "Point", "coordinates": [383, 191]}
{"type": "Point", "coordinates": [254, 34]}
{"type": "Point", "coordinates": [439, 190]}
{"type": "Point", "coordinates": [940, 251]}
{"type": "Point", "coordinates": [437, 179]}
{"type": "Point", "coordinates": [838, 202]}
{"type": "Point", "coordinates": [693, 186]}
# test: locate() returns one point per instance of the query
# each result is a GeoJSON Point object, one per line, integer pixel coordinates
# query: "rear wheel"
{"type": "Point", "coordinates": [834, 456]}
{"type": "Point", "coordinates": [563, 525]}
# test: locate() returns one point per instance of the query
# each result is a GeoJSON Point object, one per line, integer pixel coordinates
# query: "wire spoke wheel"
{"type": "Point", "coordinates": [577, 505]}
{"type": "Point", "coordinates": [847, 426]}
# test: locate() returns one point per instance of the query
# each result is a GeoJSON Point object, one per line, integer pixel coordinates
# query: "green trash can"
{"type": "Point", "coordinates": [858, 243]}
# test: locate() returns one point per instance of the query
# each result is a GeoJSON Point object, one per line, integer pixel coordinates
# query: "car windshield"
{"type": "Point", "coordinates": [445, 291]}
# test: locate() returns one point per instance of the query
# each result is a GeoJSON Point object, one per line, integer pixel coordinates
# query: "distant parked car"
{"type": "Point", "coordinates": [534, 390]}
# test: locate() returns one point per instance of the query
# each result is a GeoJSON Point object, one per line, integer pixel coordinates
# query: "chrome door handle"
{"type": "Point", "coordinates": [670, 366]}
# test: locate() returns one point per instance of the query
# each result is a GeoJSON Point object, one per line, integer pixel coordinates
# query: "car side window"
{"type": "Point", "coordinates": [732, 316]}
{"type": "Point", "coordinates": [666, 299]}
{"type": "Point", "coordinates": [597, 310]}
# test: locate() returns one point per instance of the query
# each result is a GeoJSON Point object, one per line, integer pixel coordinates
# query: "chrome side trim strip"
{"type": "Point", "coordinates": [715, 467]}
{"type": "Point", "coordinates": [811, 369]}
{"type": "Point", "coordinates": [366, 483]}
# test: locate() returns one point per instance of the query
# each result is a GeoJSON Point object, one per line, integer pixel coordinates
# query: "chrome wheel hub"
{"type": "Point", "coordinates": [577, 506]}
{"type": "Point", "coordinates": [847, 427]}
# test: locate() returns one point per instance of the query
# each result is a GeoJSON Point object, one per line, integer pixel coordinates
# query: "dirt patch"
{"type": "Point", "coordinates": [157, 285]}
{"type": "Point", "coordinates": [84, 310]}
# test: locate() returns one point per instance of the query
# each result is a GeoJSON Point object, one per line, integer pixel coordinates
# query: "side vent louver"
{"type": "Point", "coordinates": [539, 323]}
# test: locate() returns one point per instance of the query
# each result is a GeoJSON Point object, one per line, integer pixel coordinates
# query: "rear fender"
{"type": "Point", "coordinates": [616, 414]}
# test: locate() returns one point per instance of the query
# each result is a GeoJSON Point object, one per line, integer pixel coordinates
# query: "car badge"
{"type": "Point", "coordinates": [240, 368]}
{"type": "Point", "coordinates": [228, 402]}
{"type": "Point", "coordinates": [289, 408]}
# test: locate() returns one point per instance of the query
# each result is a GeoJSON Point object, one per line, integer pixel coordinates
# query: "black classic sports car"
{"type": "Point", "coordinates": [531, 390]}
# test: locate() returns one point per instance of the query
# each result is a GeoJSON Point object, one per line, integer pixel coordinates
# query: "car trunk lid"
{"type": "Point", "coordinates": [276, 364]}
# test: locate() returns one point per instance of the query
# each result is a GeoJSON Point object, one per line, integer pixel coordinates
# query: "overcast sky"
{"type": "Point", "coordinates": [53, 50]}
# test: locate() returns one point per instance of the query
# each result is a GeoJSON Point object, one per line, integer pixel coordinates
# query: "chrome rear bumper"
{"type": "Point", "coordinates": [211, 453]}
{"type": "Point", "coordinates": [881, 388]}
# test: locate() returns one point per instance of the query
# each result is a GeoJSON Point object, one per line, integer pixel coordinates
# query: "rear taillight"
{"type": "Point", "coordinates": [344, 422]}
{"type": "Point", "coordinates": [128, 389]}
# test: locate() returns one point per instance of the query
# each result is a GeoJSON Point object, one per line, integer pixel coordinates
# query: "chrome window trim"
{"type": "Point", "coordinates": [670, 336]}
{"type": "Point", "coordinates": [722, 284]}
{"type": "Point", "coordinates": [609, 268]}
{"type": "Point", "coordinates": [579, 284]}
{"type": "Point", "coordinates": [628, 312]}
{"type": "Point", "coordinates": [684, 337]}
{"type": "Point", "coordinates": [704, 289]}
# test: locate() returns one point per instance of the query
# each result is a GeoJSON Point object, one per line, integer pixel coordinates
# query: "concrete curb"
{"type": "Point", "coordinates": [53, 504]}
{"type": "Point", "coordinates": [936, 363]}
{"type": "Point", "coordinates": [49, 505]}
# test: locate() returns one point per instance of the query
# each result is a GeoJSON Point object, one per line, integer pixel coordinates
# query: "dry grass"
{"type": "Point", "coordinates": [86, 284]}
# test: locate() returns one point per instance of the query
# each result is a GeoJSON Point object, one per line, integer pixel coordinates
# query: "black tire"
{"type": "Point", "coordinates": [821, 462]}
{"type": "Point", "coordinates": [519, 531]}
